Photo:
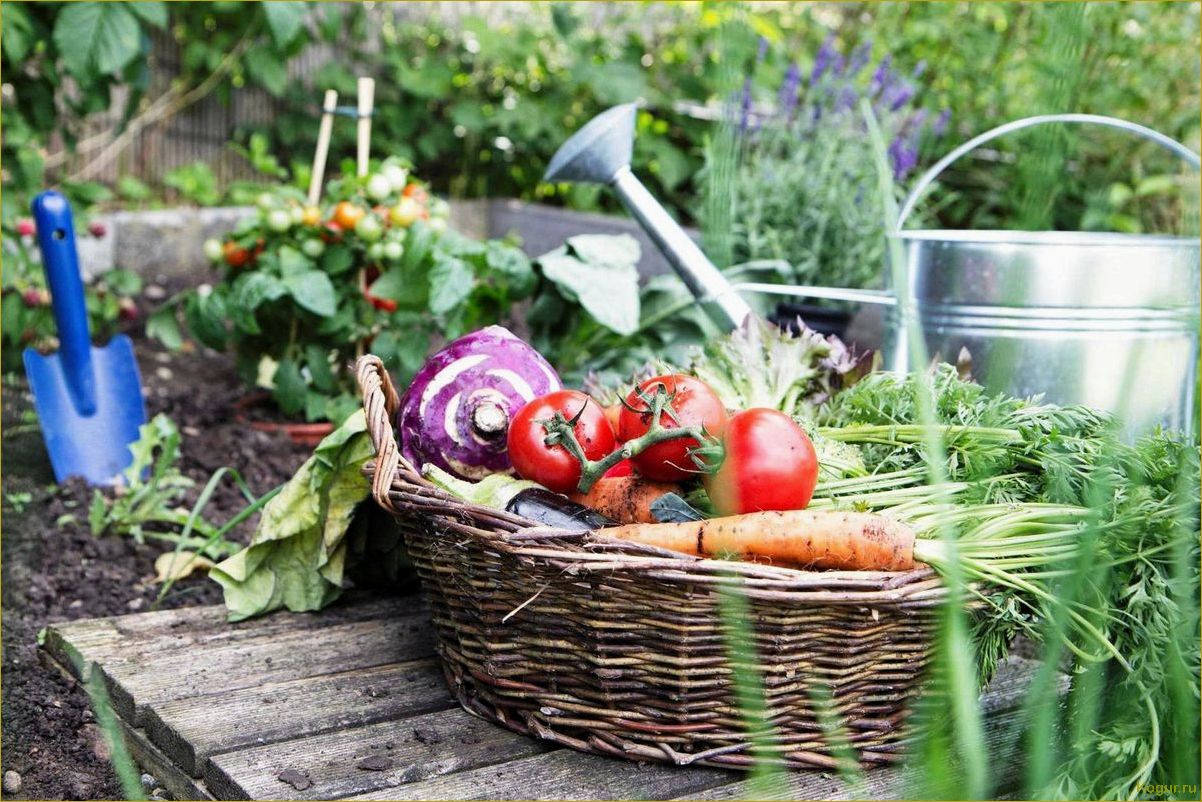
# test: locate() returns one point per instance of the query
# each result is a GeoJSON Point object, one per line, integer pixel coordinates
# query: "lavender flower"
{"type": "Point", "coordinates": [859, 59]}
{"type": "Point", "coordinates": [940, 126]}
{"type": "Point", "coordinates": [789, 93]}
{"type": "Point", "coordinates": [919, 69]}
{"type": "Point", "coordinates": [882, 76]}
{"type": "Point", "coordinates": [823, 60]}
{"type": "Point", "coordinates": [903, 156]}
{"type": "Point", "coordinates": [897, 94]}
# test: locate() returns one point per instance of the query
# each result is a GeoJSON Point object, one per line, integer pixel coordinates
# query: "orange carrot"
{"type": "Point", "coordinates": [625, 499]}
{"type": "Point", "coordinates": [857, 541]}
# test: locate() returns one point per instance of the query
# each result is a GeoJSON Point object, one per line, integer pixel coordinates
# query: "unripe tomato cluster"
{"type": "Point", "coordinates": [372, 217]}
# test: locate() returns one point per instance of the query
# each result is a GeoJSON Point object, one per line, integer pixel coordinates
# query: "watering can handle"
{"type": "Point", "coordinates": [930, 175]}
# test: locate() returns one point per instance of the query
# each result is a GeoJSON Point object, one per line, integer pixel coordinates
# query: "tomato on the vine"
{"type": "Point", "coordinates": [768, 463]}
{"type": "Point", "coordinates": [555, 467]}
{"type": "Point", "coordinates": [693, 403]}
{"type": "Point", "coordinates": [235, 255]}
{"type": "Point", "coordinates": [347, 214]}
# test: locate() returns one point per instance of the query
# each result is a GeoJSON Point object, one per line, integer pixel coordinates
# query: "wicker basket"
{"type": "Point", "coordinates": [618, 649]}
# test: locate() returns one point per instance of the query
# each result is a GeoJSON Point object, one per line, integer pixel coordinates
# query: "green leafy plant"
{"type": "Point", "coordinates": [305, 290]}
{"type": "Point", "coordinates": [149, 503]}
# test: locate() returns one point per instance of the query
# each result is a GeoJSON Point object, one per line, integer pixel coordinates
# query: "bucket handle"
{"type": "Point", "coordinates": [930, 175]}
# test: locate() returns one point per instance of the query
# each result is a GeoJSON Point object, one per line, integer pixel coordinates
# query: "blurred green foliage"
{"type": "Point", "coordinates": [479, 104]}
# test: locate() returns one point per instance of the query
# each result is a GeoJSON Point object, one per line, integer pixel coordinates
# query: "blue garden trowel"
{"type": "Point", "coordinates": [88, 399]}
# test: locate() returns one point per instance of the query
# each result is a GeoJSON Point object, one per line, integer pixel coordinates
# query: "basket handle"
{"type": "Point", "coordinates": [924, 183]}
{"type": "Point", "coordinates": [380, 403]}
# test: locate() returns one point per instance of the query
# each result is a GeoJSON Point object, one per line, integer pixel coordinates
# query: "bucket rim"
{"type": "Point", "coordinates": [1076, 238]}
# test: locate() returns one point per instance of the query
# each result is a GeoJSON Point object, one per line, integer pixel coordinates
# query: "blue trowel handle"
{"type": "Point", "coordinates": [56, 238]}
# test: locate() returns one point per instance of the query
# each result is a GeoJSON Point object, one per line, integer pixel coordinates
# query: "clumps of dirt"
{"type": "Point", "coordinates": [55, 570]}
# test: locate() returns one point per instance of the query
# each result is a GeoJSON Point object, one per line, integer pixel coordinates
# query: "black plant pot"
{"type": "Point", "coordinates": [822, 319]}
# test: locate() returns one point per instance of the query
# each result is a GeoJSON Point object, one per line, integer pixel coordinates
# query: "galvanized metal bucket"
{"type": "Point", "coordinates": [1108, 320]}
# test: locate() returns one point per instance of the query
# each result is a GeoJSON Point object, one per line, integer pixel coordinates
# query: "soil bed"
{"type": "Point", "coordinates": [61, 572]}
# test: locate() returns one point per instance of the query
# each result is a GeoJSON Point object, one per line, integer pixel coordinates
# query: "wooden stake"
{"type": "Point", "coordinates": [323, 146]}
{"type": "Point", "coordinates": [367, 91]}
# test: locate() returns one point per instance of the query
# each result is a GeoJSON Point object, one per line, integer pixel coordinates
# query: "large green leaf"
{"type": "Point", "coordinates": [451, 282]}
{"type": "Point", "coordinates": [267, 70]}
{"type": "Point", "coordinates": [606, 284]}
{"type": "Point", "coordinates": [293, 262]}
{"type": "Point", "coordinates": [313, 291]}
{"type": "Point", "coordinates": [284, 19]}
{"type": "Point", "coordinates": [290, 387]}
{"type": "Point", "coordinates": [205, 316]}
{"type": "Point", "coordinates": [97, 38]}
{"type": "Point", "coordinates": [16, 35]}
{"type": "Point", "coordinates": [514, 266]}
{"type": "Point", "coordinates": [163, 326]}
{"type": "Point", "coordinates": [151, 12]}
{"type": "Point", "coordinates": [250, 291]}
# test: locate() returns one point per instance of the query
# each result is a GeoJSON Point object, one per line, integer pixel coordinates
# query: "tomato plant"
{"type": "Point", "coordinates": [692, 403]}
{"type": "Point", "coordinates": [768, 463]}
{"type": "Point", "coordinates": [554, 466]}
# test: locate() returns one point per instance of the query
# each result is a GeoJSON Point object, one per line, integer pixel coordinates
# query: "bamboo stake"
{"type": "Point", "coordinates": [367, 91]}
{"type": "Point", "coordinates": [323, 146]}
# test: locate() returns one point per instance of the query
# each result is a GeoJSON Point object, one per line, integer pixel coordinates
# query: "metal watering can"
{"type": "Point", "coordinates": [1108, 320]}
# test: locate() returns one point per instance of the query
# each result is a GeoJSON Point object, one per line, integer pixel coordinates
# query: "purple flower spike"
{"type": "Point", "coordinates": [940, 126]}
{"type": "Point", "coordinates": [787, 97]}
{"type": "Point", "coordinates": [763, 51]}
{"type": "Point", "coordinates": [881, 77]}
{"type": "Point", "coordinates": [823, 60]}
{"type": "Point", "coordinates": [859, 59]}
{"type": "Point", "coordinates": [898, 95]}
{"type": "Point", "coordinates": [903, 156]}
{"type": "Point", "coordinates": [847, 99]}
{"type": "Point", "coordinates": [920, 68]}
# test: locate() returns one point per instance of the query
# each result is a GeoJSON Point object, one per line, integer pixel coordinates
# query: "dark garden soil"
{"type": "Point", "coordinates": [59, 571]}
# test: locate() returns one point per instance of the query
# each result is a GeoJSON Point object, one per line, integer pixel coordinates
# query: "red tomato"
{"type": "Point", "coordinates": [768, 464]}
{"type": "Point", "coordinates": [383, 304]}
{"type": "Point", "coordinates": [623, 468]}
{"type": "Point", "coordinates": [694, 403]}
{"type": "Point", "coordinates": [554, 467]}
{"type": "Point", "coordinates": [613, 413]}
{"type": "Point", "coordinates": [235, 256]}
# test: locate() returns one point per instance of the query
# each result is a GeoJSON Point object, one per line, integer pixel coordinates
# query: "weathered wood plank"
{"type": "Point", "coordinates": [151, 759]}
{"type": "Point", "coordinates": [189, 730]}
{"type": "Point", "coordinates": [408, 750]}
{"type": "Point", "coordinates": [141, 635]}
{"type": "Point", "coordinates": [136, 684]}
{"type": "Point", "coordinates": [144, 753]}
{"type": "Point", "coordinates": [563, 774]}
{"type": "Point", "coordinates": [1004, 722]}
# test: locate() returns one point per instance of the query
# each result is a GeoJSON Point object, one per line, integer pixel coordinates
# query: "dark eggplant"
{"type": "Point", "coordinates": [555, 510]}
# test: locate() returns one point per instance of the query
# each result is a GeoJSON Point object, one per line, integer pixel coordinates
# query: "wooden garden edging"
{"type": "Point", "coordinates": [351, 703]}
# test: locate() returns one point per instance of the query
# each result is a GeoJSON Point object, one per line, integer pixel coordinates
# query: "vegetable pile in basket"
{"type": "Point", "coordinates": [786, 450]}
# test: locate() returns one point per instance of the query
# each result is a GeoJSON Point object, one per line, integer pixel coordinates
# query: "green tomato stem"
{"type": "Point", "coordinates": [561, 431]}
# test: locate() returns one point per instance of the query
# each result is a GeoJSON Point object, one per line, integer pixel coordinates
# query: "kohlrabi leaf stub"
{"type": "Point", "coordinates": [456, 413]}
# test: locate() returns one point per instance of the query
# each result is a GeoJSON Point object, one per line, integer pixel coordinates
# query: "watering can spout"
{"type": "Point", "coordinates": [599, 153]}
{"type": "Point", "coordinates": [595, 153]}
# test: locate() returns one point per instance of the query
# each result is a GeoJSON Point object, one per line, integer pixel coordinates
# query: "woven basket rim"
{"type": "Point", "coordinates": [404, 491]}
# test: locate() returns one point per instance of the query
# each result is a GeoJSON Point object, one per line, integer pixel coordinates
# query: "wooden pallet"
{"type": "Point", "coordinates": [351, 703]}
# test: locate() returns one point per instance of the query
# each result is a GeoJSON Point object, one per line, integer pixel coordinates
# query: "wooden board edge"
{"type": "Point", "coordinates": [148, 757]}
